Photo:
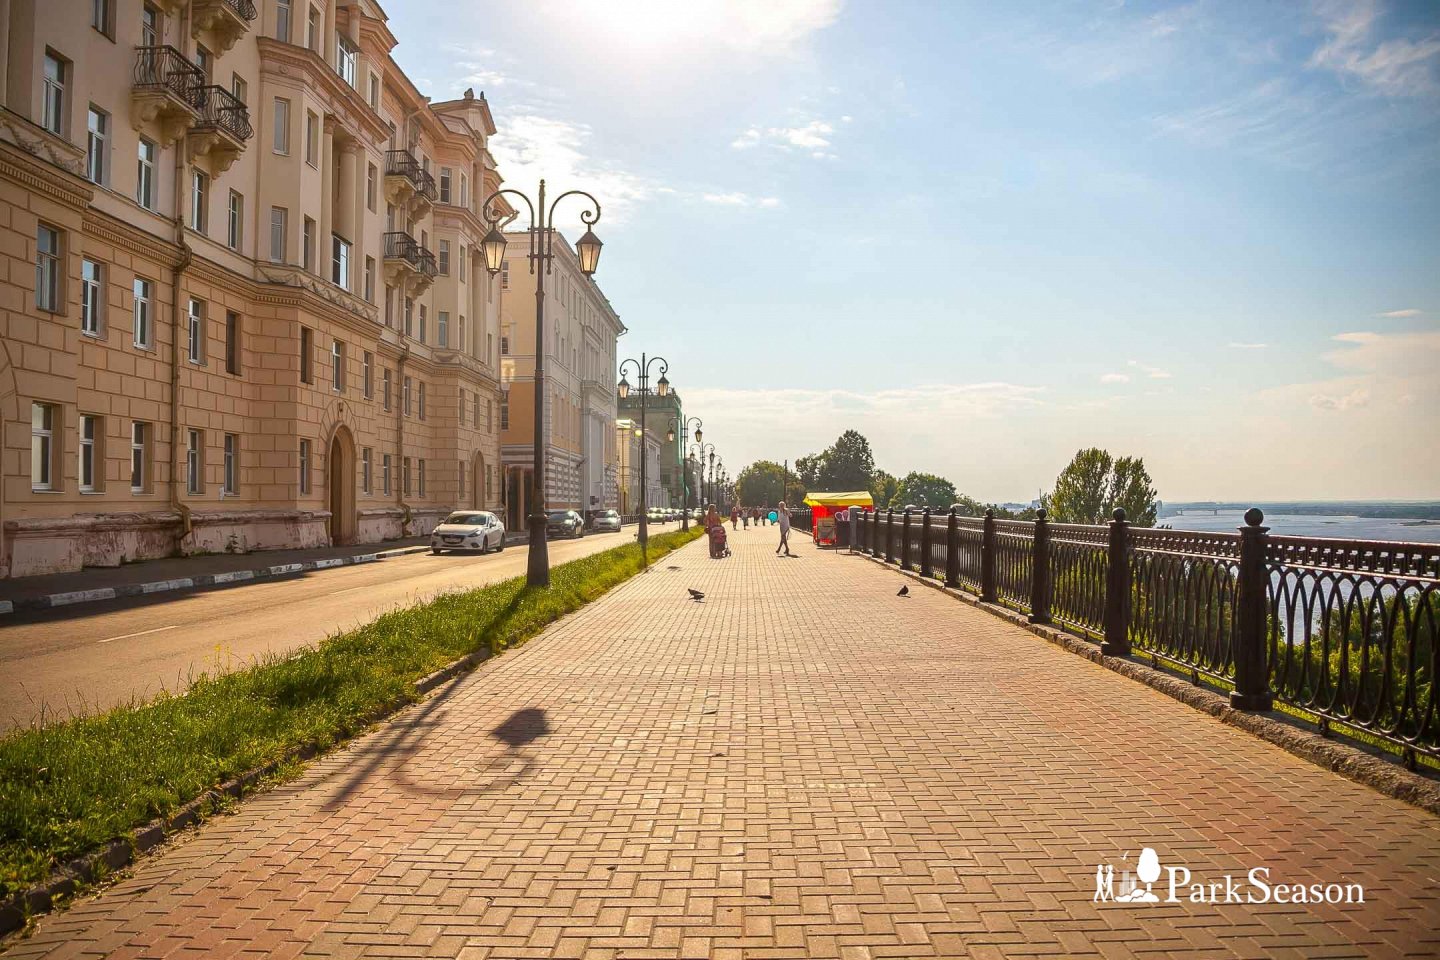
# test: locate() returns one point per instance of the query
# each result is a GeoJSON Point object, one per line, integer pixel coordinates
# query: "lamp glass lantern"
{"type": "Point", "coordinates": [494, 248]}
{"type": "Point", "coordinates": [623, 388]}
{"type": "Point", "coordinates": [587, 249]}
{"type": "Point", "coordinates": [662, 388]}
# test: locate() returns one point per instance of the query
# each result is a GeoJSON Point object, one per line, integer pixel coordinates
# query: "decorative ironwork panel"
{"type": "Point", "coordinates": [1182, 604]}
{"type": "Point", "coordinates": [1014, 548]}
{"type": "Point", "coordinates": [1079, 556]}
{"type": "Point", "coordinates": [972, 537]}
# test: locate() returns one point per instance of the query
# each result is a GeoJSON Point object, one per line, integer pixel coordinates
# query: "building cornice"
{"type": "Point", "coordinates": [289, 60]}
{"type": "Point", "coordinates": [42, 162]}
{"type": "Point", "coordinates": [140, 242]}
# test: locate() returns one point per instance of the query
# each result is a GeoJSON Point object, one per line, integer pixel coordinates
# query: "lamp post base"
{"type": "Point", "coordinates": [537, 569]}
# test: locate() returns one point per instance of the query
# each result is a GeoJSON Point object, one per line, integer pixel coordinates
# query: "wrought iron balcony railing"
{"type": "Point", "coordinates": [401, 246]}
{"type": "Point", "coordinates": [403, 163]}
{"type": "Point", "coordinates": [244, 9]}
{"type": "Point", "coordinates": [165, 69]}
{"type": "Point", "coordinates": [222, 110]}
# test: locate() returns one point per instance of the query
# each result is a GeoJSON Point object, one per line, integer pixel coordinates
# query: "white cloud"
{"type": "Point", "coordinates": [1154, 373]}
{"type": "Point", "coordinates": [1235, 344]}
{"type": "Point", "coordinates": [759, 27]}
{"type": "Point", "coordinates": [1115, 378]}
{"type": "Point", "coordinates": [1359, 397]}
{"type": "Point", "coordinates": [737, 199]}
{"type": "Point", "coordinates": [812, 135]}
{"type": "Point", "coordinates": [1381, 369]}
{"type": "Point", "coordinates": [1400, 66]}
{"type": "Point", "coordinates": [1399, 314]}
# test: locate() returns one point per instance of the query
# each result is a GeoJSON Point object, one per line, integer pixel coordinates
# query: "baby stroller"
{"type": "Point", "coordinates": [719, 549]}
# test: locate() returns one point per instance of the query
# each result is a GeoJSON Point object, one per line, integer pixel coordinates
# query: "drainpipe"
{"type": "Point", "coordinates": [176, 278]}
{"type": "Point", "coordinates": [405, 511]}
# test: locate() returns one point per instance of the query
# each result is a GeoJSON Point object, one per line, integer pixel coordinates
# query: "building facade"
{"type": "Point", "coordinates": [629, 442]}
{"type": "Point", "coordinates": [662, 415]}
{"type": "Point", "coordinates": [581, 331]}
{"type": "Point", "coordinates": [245, 306]}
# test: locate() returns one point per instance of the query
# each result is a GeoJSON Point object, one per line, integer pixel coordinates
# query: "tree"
{"type": "Point", "coordinates": [847, 464]}
{"type": "Point", "coordinates": [807, 469]}
{"type": "Point", "coordinates": [1094, 483]}
{"type": "Point", "coordinates": [763, 482]}
{"type": "Point", "coordinates": [883, 488]}
{"type": "Point", "coordinates": [926, 490]}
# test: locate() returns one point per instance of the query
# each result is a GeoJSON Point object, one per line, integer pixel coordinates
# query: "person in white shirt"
{"type": "Point", "coordinates": [782, 510]}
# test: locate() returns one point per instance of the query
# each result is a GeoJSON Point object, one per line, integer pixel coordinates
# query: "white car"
{"type": "Point", "coordinates": [471, 530]}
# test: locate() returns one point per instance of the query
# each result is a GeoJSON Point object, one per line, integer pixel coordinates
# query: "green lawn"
{"type": "Point", "coordinates": [68, 788]}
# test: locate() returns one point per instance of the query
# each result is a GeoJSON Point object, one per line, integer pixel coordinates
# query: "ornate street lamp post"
{"type": "Point", "coordinates": [662, 389]}
{"type": "Point", "coordinates": [698, 452]}
{"type": "Point", "coordinates": [684, 424]}
{"type": "Point", "coordinates": [541, 255]}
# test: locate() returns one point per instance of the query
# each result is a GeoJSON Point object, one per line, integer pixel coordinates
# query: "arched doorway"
{"type": "Point", "coordinates": [478, 492]}
{"type": "Point", "coordinates": [340, 487]}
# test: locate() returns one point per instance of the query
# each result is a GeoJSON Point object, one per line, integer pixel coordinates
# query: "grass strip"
{"type": "Point", "coordinates": [70, 787]}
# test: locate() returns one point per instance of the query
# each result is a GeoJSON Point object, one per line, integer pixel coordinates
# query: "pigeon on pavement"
{"type": "Point", "coordinates": [695, 595]}
{"type": "Point", "coordinates": [904, 591]}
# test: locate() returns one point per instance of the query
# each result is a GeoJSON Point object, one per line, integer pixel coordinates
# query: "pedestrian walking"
{"type": "Point", "coordinates": [734, 517]}
{"type": "Point", "coordinates": [783, 518]}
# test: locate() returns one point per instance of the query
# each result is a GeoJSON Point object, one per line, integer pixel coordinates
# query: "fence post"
{"type": "Point", "coordinates": [1040, 570]}
{"type": "Point", "coordinates": [905, 541]}
{"type": "Point", "coordinates": [875, 534]}
{"type": "Point", "coordinates": [1117, 589]}
{"type": "Point", "coordinates": [987, 559]}
{"type": "Point", "coordinates": [952, 550]}
{"type": "Point", "coordinates": [927, 562]}
{"type": "Point", "coordinates": [1252, 678]}
{"type": "Point", "coordinates": [890, 535]}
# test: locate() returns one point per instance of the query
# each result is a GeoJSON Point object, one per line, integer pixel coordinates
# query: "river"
{"type": "Point", "coordinates": [1310, 525]}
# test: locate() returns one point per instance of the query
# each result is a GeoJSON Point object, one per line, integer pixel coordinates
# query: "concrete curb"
{"type": "Point", "coordinates": [1350, 762]}
{"type": "Point", "coordinates": [53, 600]}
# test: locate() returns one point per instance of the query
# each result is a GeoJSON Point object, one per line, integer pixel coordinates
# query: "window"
{"type": "Point", "coordinates": [442, 328]}
{"type": "Point", "coordinates": [367, 374]}
{"type": "Point", "coordinates": [232, 342]}
{"type": "Point", "coordinates": [304, 466]}
{"type": "Point", "coordinates": [144, 292]}
{"type": "Point", "coordinates": [42, 446]}
{"type": "Point", "coordinates": [505, 411]}
{"type": "Point", "coordinates": [372, 187]}
{"type": "Point", "coordinates": [152, 27]}
{"type": "Point", "coordinates": [279, 225]}
{"type": "Point", "coordinates": [463, 258]}
{"type": "Point", "coordinates": [445, 184]}
{"type": "Point", "coordinates": [312, 30]}
{"type": "Point", "coordinates": [389, 307]}
{"type": "Point", "coordinates": [464, 190]}
{"type": "Point", "coordinates": [374, 91]}
{"type": "Point", "coordinates": [98, 123]}
{"type": "Point", "coordinates": [385, 387]}
{"type": "Point", "coordinates": [239, 88]}
{"type": "Point", "coordinates": [52, 107]}
{"type": "Point", "coordinates": [340, 262]}
{"type": "Point", "coordinates": [405, 476]}
{"type": "Point", "coordinates": [205, 60]}
{"type": "Point", "coordinates": [505, 276]}
{"type": "Point", "coordinates": [282, 20]}
{"type": "Point", "coordinates": [306, 345]}
{"type": "Point", "coordinates": [337, 366]}
{"type": "Point", "coordinates": [420, 476]}
{"type": "Point", "coordinates": [405, 396]}
{"type": "Point", "coordinates": [385, 474]}
{"type": "Point", "coordinates": [232, 465]}
{"type": "Point", "coordinates": [282, 127]}
{"type": "Point", "coordinates": [460, 476]}
{"type": "Point", "coordinates": [365, 457]}
{"type": "Point", "coordinates": [460, 333]}
{"type": "Point", "coordinates": [312, 138]}
{"type": "Point", "coordinates": [47, 269]}
{"type": "Point", "coordinates": [422, 400]}
{"type": "Point", "coordinates": [195, 331]}
{"type": "Point", "coordinates": [92, 434]}
{"type": "Point", "coordinates": [489, 415]}
{"type": "Point", "coordinates": [409, 317]}
{"type": "Point", "coordinates": [460, 408]}
{"type": "Point", "coordinates": [139, 456]}
{"type": "Point", "coordinates": [194, 461]}
{"type": "Point", "coordinates": [234, 220]}
{"type": "Point", "coordinates": [199, 198]}
{"type": "Point", "coordinates": [504, 346]}
{"type": "Point", "coordinates": [424, 316]}
{"type": "Point", "coordinates": [92, 295]}
{"type": "Point", "coordinates": [444, 258]}
{"type": "Point", "coordinates": [347, 57]}
{"type": "Point", "coordinates": [369, 279]}
{"type": "Point", "coordinates": [145, 175]}
{"type": "Point", "coordinates": [307, 245]}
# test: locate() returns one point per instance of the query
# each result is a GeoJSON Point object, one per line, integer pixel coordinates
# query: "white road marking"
{"type": "Point", "coordinates": [127, 636]}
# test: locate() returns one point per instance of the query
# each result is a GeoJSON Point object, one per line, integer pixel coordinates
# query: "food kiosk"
{"type": "Point", "coordinates": [825, 506]}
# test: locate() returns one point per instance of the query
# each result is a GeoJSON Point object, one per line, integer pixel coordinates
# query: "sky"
{"type": "Point", "coordinates": [987, 235]}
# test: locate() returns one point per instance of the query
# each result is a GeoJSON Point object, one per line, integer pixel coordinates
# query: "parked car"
{"type": "Point", "coordinates": [606, 521]}
{"type": "Point", "coordinates": [564, 523]}
{"type": "Point", "coordinates": [468, 530]}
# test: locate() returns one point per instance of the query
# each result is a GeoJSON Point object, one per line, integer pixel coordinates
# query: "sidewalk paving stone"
{"type": "Point", "coordinates": [803, 764]}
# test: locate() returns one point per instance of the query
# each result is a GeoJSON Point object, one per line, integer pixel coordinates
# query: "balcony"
{"type": "Point", "coordinates": [168, 92]}
{"type": "Point", "coordinates": [407, 264]}
{"type": "Point", "coordinates": [408, 184]}
{"type": "Point", "coordinates": [225, 20]}
{"type": "Point", "coordinates": [223, 129]}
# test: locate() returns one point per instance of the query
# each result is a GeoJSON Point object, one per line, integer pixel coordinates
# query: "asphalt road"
{"type": "Point", "coordinates": [93, 656]}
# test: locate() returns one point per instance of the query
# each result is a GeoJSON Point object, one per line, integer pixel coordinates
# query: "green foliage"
{"type": "Point", "coordinates": [1094, 483]}
{"type": "Point", "coordinates": [847, 464]}
{"type": "Point", "coordinates": [69, 787]}
{"type": "Point", "coordinates": [883, 489]}
{"type": "Point", "coordinates": [926, 490]}
{"type": "Point", "coordinates": [763, 482]}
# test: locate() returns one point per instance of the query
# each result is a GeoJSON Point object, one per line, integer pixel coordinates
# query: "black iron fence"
{"type": "Point", "coordinates": [222, 110]}
{"type": "Point", "coordinates": [403, 163]}
{"type": "Point", "coordinates": [1343, 632]}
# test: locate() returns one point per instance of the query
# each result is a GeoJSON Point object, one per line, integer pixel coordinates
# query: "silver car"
{"type": "Point", "coordinates": [470, 530]}
{"type": "Point", "coordinates": [606, 521]}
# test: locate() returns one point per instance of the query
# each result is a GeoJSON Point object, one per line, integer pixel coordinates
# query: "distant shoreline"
{"type": "Point", "coordinates": [1414, 512]}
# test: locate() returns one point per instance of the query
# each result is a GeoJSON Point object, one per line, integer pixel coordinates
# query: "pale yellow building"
{"type": "Point", "coordinates": [243, 305]}
{"type": "Point", "coordinates": [581, 328]}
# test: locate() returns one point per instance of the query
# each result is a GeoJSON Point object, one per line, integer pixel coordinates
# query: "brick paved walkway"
{"type": "Point", "coordinates": [803, 765]}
